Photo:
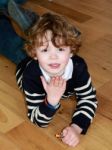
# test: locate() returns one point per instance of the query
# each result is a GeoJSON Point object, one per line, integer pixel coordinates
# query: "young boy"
{"type": "Point", "coordinates": [54, 71]}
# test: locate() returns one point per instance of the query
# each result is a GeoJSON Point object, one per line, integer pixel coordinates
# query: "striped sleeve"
{"type": "Point", "coordinates": [86, 100]}
{"type": "Point", "coordinates": [38, 112]}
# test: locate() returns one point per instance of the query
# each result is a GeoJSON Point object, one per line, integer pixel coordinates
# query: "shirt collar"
{"type": "Point", "coordinates": [67, 73]}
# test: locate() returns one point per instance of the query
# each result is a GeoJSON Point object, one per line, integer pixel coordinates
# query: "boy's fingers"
{"type": "Point", "coordinates": [64, 132]}
{"type": "Point", "coordinates": [55, 81]}
{"type": "Point", "coordinates": [61, 81]}
{"type": "Point", "coordinates": [58, 81]}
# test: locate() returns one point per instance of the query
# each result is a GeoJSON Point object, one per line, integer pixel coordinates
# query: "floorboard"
{"type": "Point", "coordinates": [94, 19]}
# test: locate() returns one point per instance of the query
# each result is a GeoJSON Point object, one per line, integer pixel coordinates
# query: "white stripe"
{"type": "Point", "coordinates": [87, 101]}
{"type": "Point", "coordinates": [71, 93]}
{"type": "Point", "coordinates": [83, 112]}
{"type": "Point", "coordinates": [33, 94]}
{"type": "Point", "coordinates": [85, 93]}
{"type": "Point", "coordinates": [30, 107]}
{"type": "Point", "coordinates": [37, 113]}
{"type": "Point", "coordinates": [34, 101]}
{"type": "Point", "coordinates": [32, 114]}
{"type": "Point", "coordinates": [28, 62]}
{"type": "Point", "coordinates": [88, 108]}
{"type": "Point", "coordinates": [85, 86]}
{"type": "Point", "coordinates": [19, 79]}
{"type": "Point", "coordinates": [64, 96]}
{"type": "Point", "coordinates": [18, 72]}
{"type": "Point", "coordinates": [89, 97]}
{"type": "Point", "coordinates": [42, 121]}
{"type": "Point", "coordinates": [44, 126]}
{"type": "Point", "coordinates": [20, 86]}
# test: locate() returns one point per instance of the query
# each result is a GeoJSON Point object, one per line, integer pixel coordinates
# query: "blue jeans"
{"type": "Point", "coordinates": [25, 18]}
{"type": "Point", "coordinates": [3, 3]}
{"type": "Point", "coordinates": [11, 45]}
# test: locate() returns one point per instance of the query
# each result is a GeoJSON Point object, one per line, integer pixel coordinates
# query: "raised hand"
{"type": "Point", "coordinates": [54, 89]}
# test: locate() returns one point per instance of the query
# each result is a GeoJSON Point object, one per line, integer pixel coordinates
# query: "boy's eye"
{"type": "Point", "coordinates": [61, 49]}
{"type": "Point", "coordinates": [44, 50]}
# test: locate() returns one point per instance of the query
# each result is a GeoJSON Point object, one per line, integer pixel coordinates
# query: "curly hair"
{"type": "Point", "coordinates": [59, 28]}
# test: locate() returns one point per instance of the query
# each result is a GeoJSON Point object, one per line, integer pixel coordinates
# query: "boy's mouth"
{"type": "Point", "coordinates": [54, 65]}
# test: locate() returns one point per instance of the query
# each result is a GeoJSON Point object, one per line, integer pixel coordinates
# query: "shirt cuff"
{"type": "Point", "coordinates": [82, 121]}
{"type": "Point", "coordinates": [51, 106]}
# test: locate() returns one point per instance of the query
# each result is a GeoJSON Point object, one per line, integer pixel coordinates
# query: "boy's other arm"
{"type": "Point", "coordinates": [86, 99]}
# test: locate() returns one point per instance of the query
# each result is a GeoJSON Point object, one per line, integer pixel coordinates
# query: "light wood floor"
{"type": "Point", "coordinates": [94, 18]}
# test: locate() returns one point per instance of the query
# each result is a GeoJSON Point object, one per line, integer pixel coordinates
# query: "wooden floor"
{"type": "Point", "coordinates": [94, 18]}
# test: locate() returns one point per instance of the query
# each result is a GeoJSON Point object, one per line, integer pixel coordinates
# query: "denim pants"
{"type": "Point", "coordinates": [11, 45]}
{"type": "Point", "coordinates": [25, 18]}
{"type": "Point", "coordinates": [3, 3]}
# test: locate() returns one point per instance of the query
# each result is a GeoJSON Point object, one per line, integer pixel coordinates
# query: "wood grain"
{"type": "Point", "coordinates": [93, 18]}
{"type": "Point", "coordinates": [60, 9]}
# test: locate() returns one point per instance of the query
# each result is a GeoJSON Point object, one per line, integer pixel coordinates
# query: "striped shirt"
{"type": "Point", "coordinates": [80, 85]}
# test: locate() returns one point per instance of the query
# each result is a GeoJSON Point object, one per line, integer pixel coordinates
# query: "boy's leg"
{"type": "Point", "coordinates": [3, 3]}
{"type": "Point", "coordinates": [11, 45]}
{"type": "Point", "coordinates": [23, 17]}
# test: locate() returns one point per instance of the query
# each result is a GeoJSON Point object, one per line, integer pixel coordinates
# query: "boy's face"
{"type": "Point", "coordinates": [52, 59]}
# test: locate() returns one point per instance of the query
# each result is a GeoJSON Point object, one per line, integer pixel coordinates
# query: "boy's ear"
{"type": "Point", "coordinates": [33, 54]}
{"type": "Point", "coordinates": [35, 58]}
{"type": "Point", "coordinates": [71, 54]}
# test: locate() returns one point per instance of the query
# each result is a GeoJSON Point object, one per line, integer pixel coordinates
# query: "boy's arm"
{"type": "Point", "coordinates": [41, 106]}
{"type": "Point", "coordinates": [39, 112]}
{"type": "Point", "coordinates": [86, 100]}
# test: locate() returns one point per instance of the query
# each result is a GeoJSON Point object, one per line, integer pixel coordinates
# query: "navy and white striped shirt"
{"type": "Point", "coordinates": [28, 79]}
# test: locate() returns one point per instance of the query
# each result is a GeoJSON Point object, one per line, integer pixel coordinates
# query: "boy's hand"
{"type": "Point", "coordinates": [71, 135]}
{"type": "Point", "coordinates": [54, 89]}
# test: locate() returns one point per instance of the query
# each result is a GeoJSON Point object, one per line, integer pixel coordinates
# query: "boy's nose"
{"type": "Point", "coordinates": [53, 56]}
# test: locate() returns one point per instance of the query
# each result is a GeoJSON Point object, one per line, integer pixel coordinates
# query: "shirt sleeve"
{"type": "Point", "coordinates": [86, 99]}
{"type": "Point", "coordinates": [39, 112]}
